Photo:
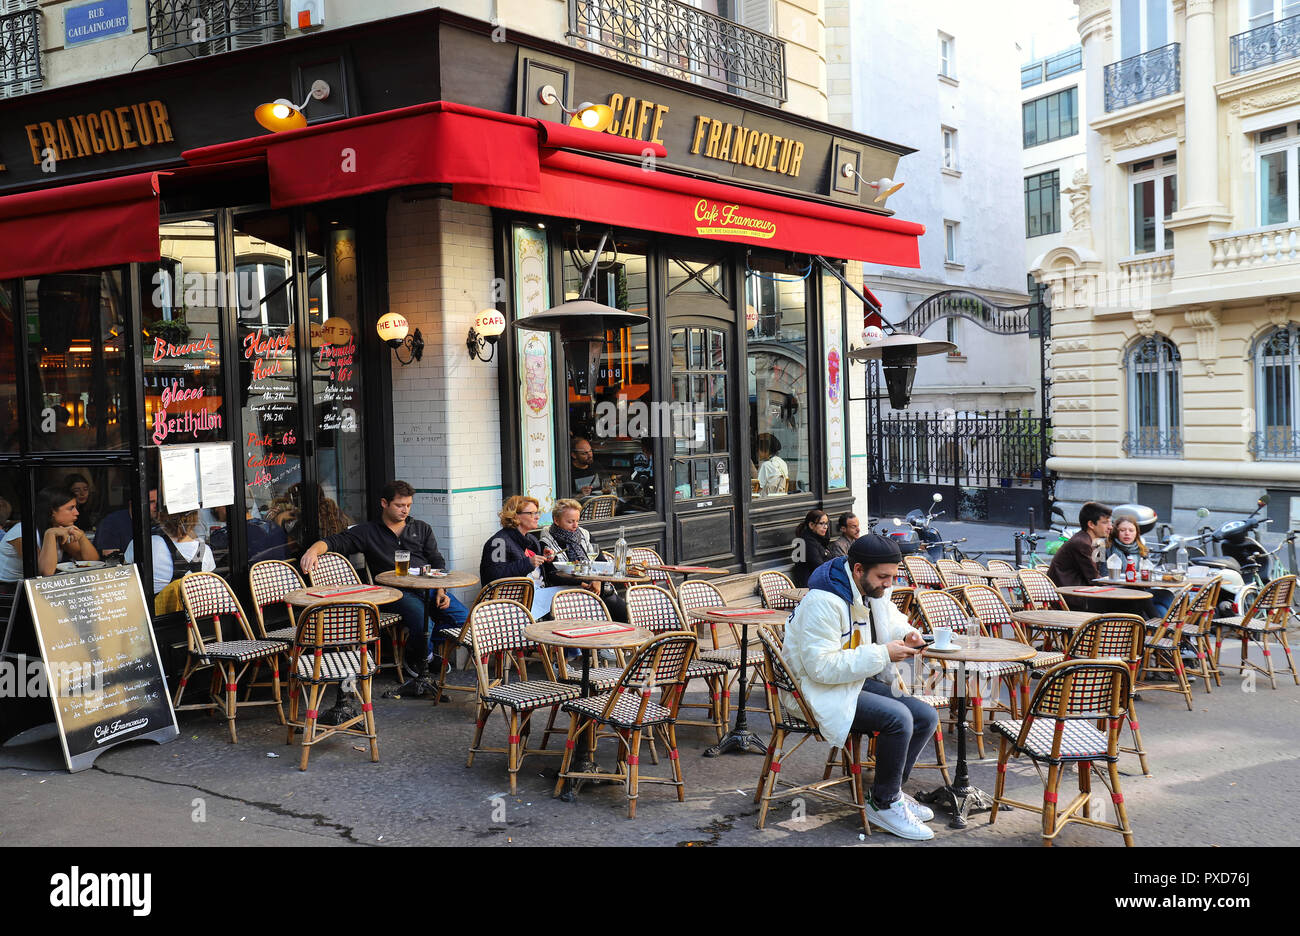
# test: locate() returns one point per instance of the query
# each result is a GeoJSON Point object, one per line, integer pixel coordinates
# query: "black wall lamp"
{"type": "Point", "coordinates": [483, 334]}
{"type": "Point", "coordinates": [394, 331]}
{"type": "Point", "coordinates": [897, 355]}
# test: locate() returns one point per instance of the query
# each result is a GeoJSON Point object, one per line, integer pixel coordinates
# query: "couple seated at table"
{"type": "Point", "coordinates": [516, 550]}
{"type": "Point", "coordinates": [378, 541]}
{"type": "Point", "coordinates": [1080, 559]}
{"type": "Point", "coordinates": [841, 644]}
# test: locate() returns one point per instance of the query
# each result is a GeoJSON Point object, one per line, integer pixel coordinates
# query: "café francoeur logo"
{"type": "Point", "coordinates": [713, 218]}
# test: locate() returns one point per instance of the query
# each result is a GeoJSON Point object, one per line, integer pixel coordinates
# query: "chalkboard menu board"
{"type": "Point", "coordinates": [101, 663]}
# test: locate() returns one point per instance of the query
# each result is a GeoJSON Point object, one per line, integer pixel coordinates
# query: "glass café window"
{"type": "Point", "coordinates": [777, 371]}
{"type": "Point", "coordinates": [611, 420]}
{"type": "Point", "coordinates": [181, 364]}
{"type": "Point", "coordinates": [268, 385]}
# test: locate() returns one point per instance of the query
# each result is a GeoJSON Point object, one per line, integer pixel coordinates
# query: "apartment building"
{"type": "Point", "coordinates": [1173, 294]}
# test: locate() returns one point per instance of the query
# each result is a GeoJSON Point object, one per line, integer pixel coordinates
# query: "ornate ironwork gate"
{"type": "Point", "coordinates": [989, 466]}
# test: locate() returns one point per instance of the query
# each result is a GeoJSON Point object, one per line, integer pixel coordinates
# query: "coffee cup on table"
{"type": "Point", "coordinates": [943, 638]}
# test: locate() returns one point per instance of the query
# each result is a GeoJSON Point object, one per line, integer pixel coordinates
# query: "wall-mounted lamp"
{"type": "Point", "coordinates": [897, 355]}
{"type": "Point", "coordinates": [588, 116]}
{"type": "Point", "coordinates": [483, 334]}
{"type": "Point", "coordinates": [281, 115]}
{"type": "Point", "coordinates": [393, 331]}
{"type": "Point", "coordinates": [885, 186]}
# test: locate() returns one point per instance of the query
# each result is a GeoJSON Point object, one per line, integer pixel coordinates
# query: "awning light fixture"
{"type": "Point", "coordinates": [588, 116]}
{"type": "Point", "coordinates": [885, 186]}
{"type": "Point", "coordinates": [483, 334]}
{"type": "Point", "coordinates": [394, 331]}
{"type": "Point", "coordinates": [898, 354]}
{"type": "Point", "coordinates": [281, 115]}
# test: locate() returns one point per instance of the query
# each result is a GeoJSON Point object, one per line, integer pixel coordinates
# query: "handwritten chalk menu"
{"type": "Point", "coordinates": [196, 476]}
{"type": "Point", "coordinates": [101, 662]}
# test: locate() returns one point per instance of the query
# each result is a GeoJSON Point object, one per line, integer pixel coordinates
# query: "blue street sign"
{"type": "Point", "coordinates": [102, 19]}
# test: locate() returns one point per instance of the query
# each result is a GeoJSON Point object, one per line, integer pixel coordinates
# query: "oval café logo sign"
{"type": "Point", "coordinates": [712, 218]}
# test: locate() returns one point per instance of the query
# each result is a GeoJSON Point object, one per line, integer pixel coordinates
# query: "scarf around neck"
{"type": "Point", "coordinates": [570, 541]}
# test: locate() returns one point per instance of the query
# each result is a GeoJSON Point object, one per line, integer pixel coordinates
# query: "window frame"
{"type": "Point", "coordinates": [1276, 14]}
{"type": "Point", "coordinates": [950, 156]}
{"type": "Point", "coordinates": [947, 56]}
{"type": "Point", "coordinates": [1160, 170]}
{"type": "Point", "coordinates": [1261, 385]}
{"type": "Point", "coordinates": [1168, 413]}
{"type": "Point", "coordinates": [1073, 92]}
{"type": "Point", "coordinates": [1289, 144]}
{"type": "Point", "coordinates": [951, 234]}
{"type": "Point", "coordinates": [1144, 28]}
{"type": "Point", "coordinates": [1056, 202]}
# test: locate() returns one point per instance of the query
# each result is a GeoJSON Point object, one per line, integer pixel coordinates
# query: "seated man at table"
{"type": "Point", "coordinates": [396, 530]}
{"type": "Point", "coordinates": [841, 644]}
{"type": "Point", "coordinates": [1075, 563]}
{"type": "Point", "coordinates": [586, 478]}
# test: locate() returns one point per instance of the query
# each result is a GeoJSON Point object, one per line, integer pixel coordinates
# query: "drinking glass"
{"type": "Point", "coordinates": [402, 559]}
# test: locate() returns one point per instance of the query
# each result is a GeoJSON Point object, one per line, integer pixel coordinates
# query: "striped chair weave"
{"type": "Point", "coordinates": [271, 580]}
{"type": "Point", "coordinates": [1000, 565]}
{"type": "Point", "coordinates": [1040, 593]}
{"type": "Point", "coordinates": [578, 604]}
{"type": "Point", "coordinates": [1269, 611]}
{"type": "Point", "coordinates": [648, 557]}
{"type": "Point", "coordinates": [950, 572]}
{"type": "Point", "coordinates": [777, 672]}
{"type": "Point", "coordinates": [770, 586]}
{"type": "Point", "coordinates": [531, 694]}
{"type": "Point", "coordinates": [624, 712]}
{"type": "Point", "coordinates": [921, 572]}
{"type": "Point", "coordinates": [1109, 635]}
{"type": "Point", "coordinates": [904, 598]}
{"type": "Point", "coordinates": [518, 589]}
{"type": "Point", "coordinates": [207, 594]}
{"type": "Point", "coordinates": [599, 508]}
{"type": "Point", "coordinates": [241, 651]}
{"type": "Point", "coordinates": [334, 665]}
{"type": "Point", "coordinates": [693, 595]}
{"type": "Point", "coordinates": [730, 657]}
{"type": "Point", "coordinates": [498, 626]}
{"type": "Point", "coordinates": [1088, 686]}
{"type": "Point", "coordinates": [940, 609]}
{"type": "Point", "coordinates": [333, 570]}
{"type": "Point", "coordinates": [972, 565]}
{"type": "Point", "coordinates": [651, 607]}
{"type": "Point", "coordinates": [666, 658]}
{"type": "Point", "coordinates": [1079, 740]}
{"type": "Point", "coordinates": [599, 678]}
{"type": "Point", "coordinates": [333, 625]}
{"type": "Point", "coordinates": [990, 609]}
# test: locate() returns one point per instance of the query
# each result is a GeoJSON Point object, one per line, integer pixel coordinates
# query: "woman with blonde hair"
{"type": "Point", "coordinates": [176, 551]}
{"type": "Point", "coordinates": [567, 540]}
{"type": "Point", "coordinates": [514, 550]}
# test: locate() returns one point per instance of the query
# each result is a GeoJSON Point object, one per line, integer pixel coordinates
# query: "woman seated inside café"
{"type": "Point", "coordinates": [812, 546]}
{"type": "Point", "coordinates": [514, 550]}
{"type": "Point", "coordinates": [176, 551]}
{"type": "Point", "coordinates": [567, 540]}
{"type": "Point", "coordinates": [60, 540]}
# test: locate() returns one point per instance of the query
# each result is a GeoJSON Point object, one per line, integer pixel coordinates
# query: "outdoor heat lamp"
{"type": "Point", "coordinates": [281, 115]}
{"type": "Point", "coordinates": [897, 354]}
{"type": "Point", "coordinates": [581, 325]}
{"type": "Point", "coordinates": [394, 331]}
{"type": "Point", "coordinates": [588, 116]}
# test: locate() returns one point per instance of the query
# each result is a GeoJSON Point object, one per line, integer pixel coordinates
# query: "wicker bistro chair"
{"type": "Point", "coordinates": [207, 596]}
{"type": "Point", "coordinates": [499, 629]}
{"type": "Point", "coordinates": [770, 586]}
{"type": "Point", "coordinates": [514, 588]}
{"type": "Point", "coordinates": [651, 607]}
{"type": "Point", "coordinates": [921, 573]}
{"type": "Point", "coordinates": [801, 721]}
{"type": "Point", "coordinates": [661, 663]}
{"type": "Point", "coordinates": [1040, 595]}
{"type": "Point", "coordinates": [333, 645]}
{"type": "Point", "coordinates": [578, 604]}
{"type": "Point", "coordinates": [1058, 730]}
{"type": "Point", "coordinates": [992, 611]}
{"type": "Point", "coordinates": [904, 599]}
{"type": "Point", "coordinates": [601, 507]}
{"type": "Point", "coordinates": [269, 582]}
{"type": "Point", "coordinates": [1163, 651]}
{"type": "Point", "coordinates": [1202, 606]}
{"type": "Point", "coordinates": [336, 570]}
{"type": "Point", "coordinates": [1267, 614]}
{"type": "Point", "coordinates": [950, 573]}
{"type": "Point", "coordinates": [646, 556]}
{"type": "Point", "coordinates": [1115, 636]}
{"type": "Point", "coordinates": [942, 609]}
{"type": "Point", "coordinates": [972, 565]}
{"type": "Point", "coordinates": [695, 595]}
{"type": "Point", "coordinates": [1007, 584]}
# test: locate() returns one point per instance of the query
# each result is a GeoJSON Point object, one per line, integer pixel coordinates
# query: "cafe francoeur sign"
{"type": "Point", "coordinates": [110, 130]}
{"type": "Point", "coordinates": [713, 218]}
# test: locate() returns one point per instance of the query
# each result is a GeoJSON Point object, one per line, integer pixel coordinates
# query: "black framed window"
{"type": "Point", "coordinates": [1043, 203]}
{"type": "Point", "coordinates": [777, 378]}
{"type": "Point", "coordinates": [1051, 117]}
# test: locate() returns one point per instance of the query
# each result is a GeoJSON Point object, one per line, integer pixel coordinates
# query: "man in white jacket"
{"type": "Point", "coordinates": [841, 644]}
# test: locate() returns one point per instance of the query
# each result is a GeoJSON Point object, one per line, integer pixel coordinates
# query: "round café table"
{"type": "Point", "coordinates": [740, 738]}
{"type": "Point", "coordinates": [1051, 622]}
{"type": "Point", "coordinates": [615, 578]}
{"type": "Point", "coordinates": [959, 796]}
{"type": "Point", "coordinates": [1106, 592]}
{"type": "Point", "coordinates": [342, 594]}
{"type": "Point", "coordinates": [690, 569]}
{"type": "Point", "coordinates": [543, 632]}
{"type": "Point", "coordinates": [430, 586]}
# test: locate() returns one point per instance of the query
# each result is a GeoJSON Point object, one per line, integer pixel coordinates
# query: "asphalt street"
{"type": "Point", "coordinates": [1222, 774]}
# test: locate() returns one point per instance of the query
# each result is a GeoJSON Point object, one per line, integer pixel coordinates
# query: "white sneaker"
{"type": "Point", "coordinates": [922, 812]}
{"type": "Point", "coordinates": [899, 820]}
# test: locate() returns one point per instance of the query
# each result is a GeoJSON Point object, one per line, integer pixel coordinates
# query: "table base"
{"type": "Point", "coordinates": [740, 740]}
{"type": "Point", "coordinates": [960, 801]}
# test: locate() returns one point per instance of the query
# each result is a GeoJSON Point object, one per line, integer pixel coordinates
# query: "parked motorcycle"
{"type": "Point", "coordinates": [1244, 563]}
{"type": "Point", "coordinates": [916, 531]}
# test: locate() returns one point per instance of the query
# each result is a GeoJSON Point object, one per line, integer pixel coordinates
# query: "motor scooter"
{"type": "Point", "coordinates": [1244, 565]}
{"type": "Point", "coordinates": [915, 532]}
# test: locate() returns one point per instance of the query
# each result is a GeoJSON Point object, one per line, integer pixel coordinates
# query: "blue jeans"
{"type": "Point", "coordinates": [904, 724]}
{"type": "Point", "coordinates": [411, 607]}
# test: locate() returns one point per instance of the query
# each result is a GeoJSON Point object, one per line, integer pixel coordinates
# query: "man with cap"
{"type": "Point", "coordinates": [841, 644]}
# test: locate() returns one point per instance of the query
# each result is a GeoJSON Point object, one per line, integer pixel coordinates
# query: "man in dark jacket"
{"type": "Point", "coordinates": [1074, 563]}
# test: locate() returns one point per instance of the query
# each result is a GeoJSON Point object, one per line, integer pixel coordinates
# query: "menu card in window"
{"type": "Point", "coordinates": [217, 474]}
{"type": "Point", "coordinates": [180, 478]}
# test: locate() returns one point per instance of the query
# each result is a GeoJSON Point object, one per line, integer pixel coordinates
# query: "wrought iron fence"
{"type": "Point", "coordinates": [1150, 442]}
{"type": "Point", "coordinates": [1275, 443]}
{"type": "Point", "coordinates": [1143, 77]}
{"type": "Point", "coordinates": [676, 39]}
{"type": "Point", "coordinates": [1265, 45]}
{"type": "Point", "coordinates": [207, 27]}
{"type": "Point", "coordinates": [988, 449]}
{"type": "Point", "coordinates": [20, 52]}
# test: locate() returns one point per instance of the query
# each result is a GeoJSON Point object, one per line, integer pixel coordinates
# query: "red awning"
{"type": "Point", "coordinates": [575, 186]}
{"type": "Point", "coordinates": [78, 227]}
{"type": "Point", "coordinates": [440, 142]}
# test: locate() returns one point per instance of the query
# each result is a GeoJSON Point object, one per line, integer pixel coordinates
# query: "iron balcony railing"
{"type": "Point", "coordinates": [676, 39]}
{"type": "Point", "coordinates": [20, 52]}
{"type": "Point", "coordinates": [989, 449]}
{"type": "Point", "coordinates": [1143, 77]}
{"type": "Point", "coordinates": [208, 27]}
{"type": "Point", "coordinates": [1153, 443]}
{"type": "Point", "coordinates": [1265, 45]}
{"type": "Point", "coordinates": [1277, 443]}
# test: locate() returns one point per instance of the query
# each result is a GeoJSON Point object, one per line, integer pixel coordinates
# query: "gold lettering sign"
{"type": "Point", "coordinates": [110, 130]}
{"type": "Point", "coordinates": [631, 116]}
{"type": "Point", "coordinates": [714, 218]}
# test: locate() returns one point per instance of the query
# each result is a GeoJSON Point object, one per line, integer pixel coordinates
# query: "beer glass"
{"type": "Point", "coordinates": [402, 558]}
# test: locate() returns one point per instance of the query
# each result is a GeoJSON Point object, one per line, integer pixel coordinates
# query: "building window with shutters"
{"type": "Point", "coordinates": [1277, 366]}
{"type": "Point", "coordinates": [1155, 379]}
